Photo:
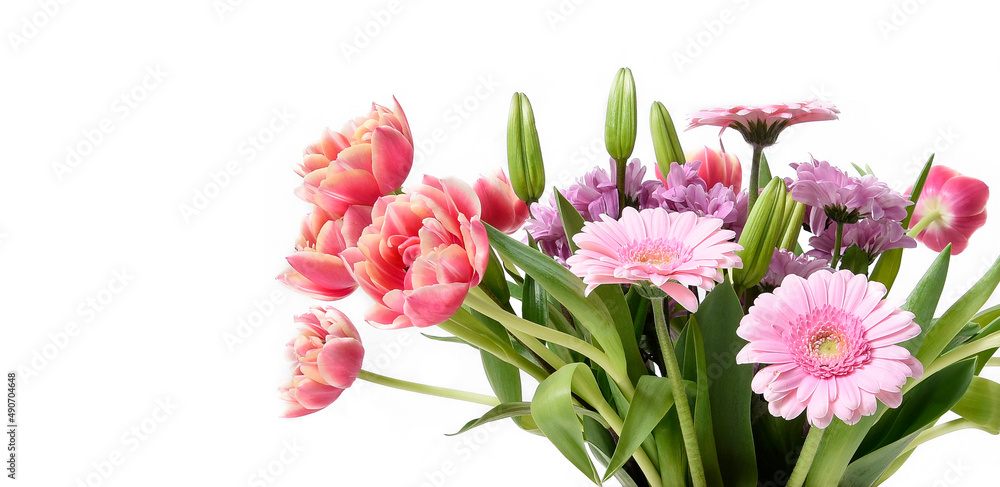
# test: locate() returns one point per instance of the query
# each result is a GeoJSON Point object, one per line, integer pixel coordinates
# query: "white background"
{"type": "Point", "coordinates": [910, 78]}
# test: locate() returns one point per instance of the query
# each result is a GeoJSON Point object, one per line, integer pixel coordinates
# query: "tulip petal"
{"type": "Point", "coordinates": [340, 361]}
{"type": "Point", "coordinates": [392, 158]}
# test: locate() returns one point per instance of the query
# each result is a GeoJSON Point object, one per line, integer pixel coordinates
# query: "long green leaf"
{"type": "Point", "coordinates": [651, 401]}
{"type": "Point", "coordinates": [519, 410]}
{"type": "Point", "coordinates": [983, 357]}
{"type": "Point", "coordinates": [670, 448]}
{"type": "Point", "coordinates": [865, 471]}
{"type": "Point", "coordinates": [958, 315]}
{"type": "Point", "coordinates": [495, 282]}
{"type": "Point", "coordinates": [567, 289]}
{"type": "Point", "coordinates": [694, 367]}
{"type": "Point", "coordinates": [981, 404]}
{"type": "Point", "coordinates": [552, 410]}
{"type": "Point", "coordinates": [614, 300]}
{"type": "Point", "coordinates": [923, 300]}
{"type": "Point", "coordinates": [569, 216]}
{"type": "Point", "coordinates": [728, 385]}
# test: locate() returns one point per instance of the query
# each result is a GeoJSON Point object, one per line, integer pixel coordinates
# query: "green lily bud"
{"type": "Point", "coordinates": [795, 213]}
{"type": "Point", "coordinates": [666, 145]}
{"type": "Point", "coordinates": [619, 126]}
{"type": "Point", "coordinates": [524, 154]}
{"type": "Point", "coordinates": [763, 231]}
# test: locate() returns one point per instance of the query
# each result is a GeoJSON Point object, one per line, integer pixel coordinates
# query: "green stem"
{"type": "Point", "coordinates": [479, 340]}
{"type": "Point", "coordinates": [754, 190]}
{"type": "Point", "coordinates": [924, 222]}
{"type": "Point", "coordinates": [429, 390]}
{"type": "Point", "coordinates": [680, 397]}
{"type": "Point", "coordinates": [478, 301]}
{"type": "Point", "coordinates": [804, 463]}
{"type": "Point", "coordinates": [620, 184]}
{"type": "Point", "coordinates": [837, 242]}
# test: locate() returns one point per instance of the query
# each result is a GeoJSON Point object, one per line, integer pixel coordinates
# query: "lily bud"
{"type": "Point", "coordinates": [619, 127]}
{"type": "Point", "coordinates": [761, 235]}
{"type": "Point", "coordinates": [524, 154]}
{"type": "Point", "coordinates": [666, 145]}
{"type": "Point", "coordinates": [795, 213]}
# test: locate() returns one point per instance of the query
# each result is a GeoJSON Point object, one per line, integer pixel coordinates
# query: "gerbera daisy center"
{"type": "Point", "coordinates": [655, 252]}
{"type": "Point", "coordinates": [828, 341]}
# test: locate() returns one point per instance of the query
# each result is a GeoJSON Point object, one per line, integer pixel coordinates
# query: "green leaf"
{"type": "Point", "coordinates": [651, 401]}
{"type": "Point", "coordinates": [981, 404]}
{"type": "Point", "coordinates": [918, 189]}
{"type": "Point", "coordinates": [670, 448]}
{"type": "Point", "coordinates": [571, 219]}
{"type": "Point", "coordinates": [922, 406]}
{"type": "Point", "coordinates": [519, 410]}
{"type": "Point", "coordinates": [728, 386]}
{"type": "Point", "coordinates": [764, 176]}
{"type": "Point", "coordinates": [614, 300]}
{"type": "Point", "coordinates": [987, 315]}
{"type": "Point", "coordinates": [602, 445]}
{"type": "Point", "coordinates": [552, 409]}
{"type": "Point", "coordinates": [567, 289]}
{"type": "Point", "coordinates": [923, 300]}
{"type": "Point", "coordinates": [855, 260]}
{"type": "Point", "coordinates": [504, 378]}
{"type": "Point", "coordinates": [448, 339]}
{"type": "Point", "coordinates": [694, 367]}
{"type": "Point", "coordinates": [865, 471]}
{"type": "Point", "coordinates": [960, 313]}
{"type": "Point", "coordinates": [983, 357]}
{"type": "Point", "coordinates": [494, 281]}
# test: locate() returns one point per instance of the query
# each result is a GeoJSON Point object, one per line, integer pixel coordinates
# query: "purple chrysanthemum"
{"type": "Point", "coordinates": [687, 191]}
{"type": "Point", "coordinates": [844, 198]}
{"type": "Point", "coordinates": [593, 195]}
{"type": "Point", "coordinates": [873, 237]}
{"type": "Point", "coordinates": [785, 263]}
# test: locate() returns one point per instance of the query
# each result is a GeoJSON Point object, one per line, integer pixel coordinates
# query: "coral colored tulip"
{"type": "Point", "coordinates": [718, 167]}
{"type": "Point", "coordinates": [501, 207]}
{"type": "Point", "coordinates": [316, 267]}
{"type": "Point", "coordinates": [370, 157]}
{"type": "Point", "coordinates": [954, 207]}
{"type": "Point", "coordinates": [327, 355]}
{"type": "Point", "coordinates": [421, 254]}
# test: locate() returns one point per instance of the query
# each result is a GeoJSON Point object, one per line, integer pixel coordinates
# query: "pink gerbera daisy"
{"type": "Point", "coordinates": [832, 340]}
{"type": "Point", "coordinates": [670, 250]}
{"type": "Point", "coordinates": [760, 125]}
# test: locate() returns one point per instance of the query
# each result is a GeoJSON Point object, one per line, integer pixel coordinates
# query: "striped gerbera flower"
{"type": "Point", "coordinates": [832, 342]}
{"type": "Point", "coordinates": [670, 250]}
{"type": "Point", "coordinates": [760, 125]}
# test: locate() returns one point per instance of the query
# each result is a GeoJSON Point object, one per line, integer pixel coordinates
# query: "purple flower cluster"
{"type": "Point", "coordinates": [596, 194]}
{"type": "Point", "coordinates": [785, 263]}
{"type": "Point", "coordinates": [844, 198]}
{"type": "Point", "coordinates": [872, 236]}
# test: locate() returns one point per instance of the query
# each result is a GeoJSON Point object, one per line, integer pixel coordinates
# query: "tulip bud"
{"type": "Point", "coordinates": [666, 145]}
{"type": "Point", "coordinates": [619, 127]}
{"type": "Point", "coordinates": [524, 154]}
{"type": "Point", "coordinates": [718, 167]}
{"type": "Point", "coordinates": [764, 228]}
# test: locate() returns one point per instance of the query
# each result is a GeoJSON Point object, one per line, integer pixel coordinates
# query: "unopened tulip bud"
{"type": "Point", "coordinates": [524, 153]}
{"type": "Point", "coordinates": [619, 127]}
{"type": "Point", "coordinates": [666, 145]}
{"type": "Point", "coordinates": [761, 235]}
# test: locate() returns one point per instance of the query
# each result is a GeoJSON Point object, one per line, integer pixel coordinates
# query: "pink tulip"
{"type": "Point", "coordinates": [421, 254]}
{"type": "Point", "coordinates": [370, 157]}
{"type": "Point", "coordinates": [716, 167]}
{"type": "Point", "coordinates": [501, 207]}
{"type": "Point", "coordinates": [317, 269]}
{"type": "Point", "coordinates": [326, 355]}
{"type": "Point", "coordinates": [950, 209]}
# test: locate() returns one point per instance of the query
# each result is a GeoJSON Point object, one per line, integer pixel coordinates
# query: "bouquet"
{"type": "Point", "coordinates": [681, 330]}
